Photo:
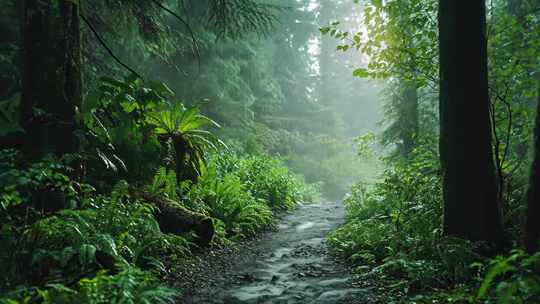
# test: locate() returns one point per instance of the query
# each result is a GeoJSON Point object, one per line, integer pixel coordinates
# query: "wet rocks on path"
{"type": "Point", "coordinates": [291, 265]}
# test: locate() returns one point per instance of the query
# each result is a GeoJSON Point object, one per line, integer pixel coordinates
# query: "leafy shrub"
{"type": "Point", "coordinates": [243, 192]}
{"type": "Point", "coordinates": [240, 199]}
{"type": "Point", "coordinates": [512, 279]}
{"type": "Point", "coordinates": [269, 180]}
{"type": "Point", "coordinates": [114, 117]}
{"type": "Point", "coordinates": [19, 182]}
{"type": "Point", "coordinates": [129, 286]}
{"type": "Point", "coordinates": [393, 231]}
{"type": "Point", "coordinates": [107, 237]}
{"type": "Point", "coordinates": [393, 235]}
{"type": "Point", "coordinates": [227, 199]}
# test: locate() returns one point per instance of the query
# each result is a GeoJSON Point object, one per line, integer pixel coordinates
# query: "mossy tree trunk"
{"type": "Point", "coordinates": [173, 218]}
{"type": "Point", "coordinates": [471, 207]}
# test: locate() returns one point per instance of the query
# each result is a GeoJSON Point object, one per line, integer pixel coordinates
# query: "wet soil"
{"type": "Point", "coordinates": [291, 265]}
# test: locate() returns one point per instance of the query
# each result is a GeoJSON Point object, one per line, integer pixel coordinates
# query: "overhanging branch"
{"type": "Point", "coordinates": [106, 47]}
{"type": "Point", "coordinates": [188, 27]}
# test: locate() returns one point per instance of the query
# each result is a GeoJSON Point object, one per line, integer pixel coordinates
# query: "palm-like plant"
{"type": "Point", "coordinates": [183, 126]}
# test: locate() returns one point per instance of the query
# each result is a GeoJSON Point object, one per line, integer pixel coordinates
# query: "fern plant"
{"type": "Point", "coordinates": [512, 279]}
{"type": "Point", "coordinates": [165, 183]}
{"type": "Point", "coordinates": [184, 127]}
{"type": "Point", "coordinates": [130, 285]}
{"type": "Point", "coordinates": [269, 180]}
{"type": "Point", "coordinates": [228, 200]}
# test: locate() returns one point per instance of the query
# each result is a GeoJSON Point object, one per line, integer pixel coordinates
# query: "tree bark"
{"type": "Point", "coordinates": [471, 209]}
{"type": "Point", "coordinates": [51, 80]}
{"type": "Point", "coordinates": [184, 165]}
{"type": "Point", "coordinates": [532, 225]}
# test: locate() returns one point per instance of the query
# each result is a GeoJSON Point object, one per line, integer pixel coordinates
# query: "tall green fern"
{"type": "Point", "coordinates": [228, 200]}
{"type": "Point", "coordinates": [165, 183]}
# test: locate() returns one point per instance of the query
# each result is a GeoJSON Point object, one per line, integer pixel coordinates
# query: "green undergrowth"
{"type": "Point", "coordinates": [244, 193]}
{"type": "Point", "coordinates": [107, 247]}
{"type": "Point", "coordinates": [393, 237]}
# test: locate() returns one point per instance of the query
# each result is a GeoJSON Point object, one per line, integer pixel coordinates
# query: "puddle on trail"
{"type": "Point", "coordinates": [294, 265]}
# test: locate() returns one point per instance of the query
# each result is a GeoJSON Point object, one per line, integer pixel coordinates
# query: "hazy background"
{"type": "Point", "coordinates": [290, 93]}
{"type": "Point", "coordinates": [285, 90]}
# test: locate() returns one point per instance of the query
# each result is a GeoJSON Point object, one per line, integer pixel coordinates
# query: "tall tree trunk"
{"type": "Point", "coordinates": [471, 209]}
{"type": "Point", "coordinates": [51, 80]}
{"type": "Point", "coordinates": [10, 64]}
{"type": "Point", "coordinates": [51, 85]}
{"type": "Point", "coordinates": [532, 225]}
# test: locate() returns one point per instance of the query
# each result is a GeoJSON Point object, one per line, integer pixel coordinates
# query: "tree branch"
{"type": "Point", "coordinates": [188, 27]}
{"type": "Point", "coordinates": [102, 42]}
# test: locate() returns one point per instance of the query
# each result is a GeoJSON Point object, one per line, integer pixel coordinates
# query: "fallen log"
{"type": "Point", "coordinates": [174, 218]}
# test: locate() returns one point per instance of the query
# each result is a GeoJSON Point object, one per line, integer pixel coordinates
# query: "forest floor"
{"type": "Point", "coordinates": [290, 265]}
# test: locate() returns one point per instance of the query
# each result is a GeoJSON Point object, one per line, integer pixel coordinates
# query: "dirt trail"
{"type": "Point", "coordinates": [291, 265]}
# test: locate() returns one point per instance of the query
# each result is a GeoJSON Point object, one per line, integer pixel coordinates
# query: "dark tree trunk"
{"type": "Point", "coordinates": [51, 85]}
{"type": "Point", "coordinates": [471, 209]}
{"type": "Point", "coordinates": [532, 225]}
{"type": "Point", "coordinates": [51, 77]}
{"type": "Point", "coordinates": [10, 31]}
{"type": "Point", "coordinates": [183, 164]}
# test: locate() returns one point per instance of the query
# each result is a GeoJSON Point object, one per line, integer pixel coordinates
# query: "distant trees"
{"type": "Point", "coordinates": [471, 208]}
{"type": "Point", "coordinates": [399, 40]}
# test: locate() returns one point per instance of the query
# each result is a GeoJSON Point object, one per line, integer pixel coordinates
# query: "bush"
{"type": "Point", "coordinates": [95, 238]}
{"type": "Point", "coordinates": [243, 193]}
{"type": "Point", "coordinates": [108, 248]}
{"type": "Point", "coordinates": [393, 236]}
{"type": "Point", "coordinates": [512, 279]}
{"type": "Point", "coordinates": [240, 193]}
{"type": "Point", "coordinates": [227, 200]}
{"type": "Point", "coordinates": [129, 286]}
{"type": "Point", "coordinates": [393, 231]}
{"type": "Point", "coordinates": [269, 180]}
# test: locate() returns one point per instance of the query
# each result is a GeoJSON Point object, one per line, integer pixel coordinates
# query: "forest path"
{"type": "Point", "coordinates": [291, 265]}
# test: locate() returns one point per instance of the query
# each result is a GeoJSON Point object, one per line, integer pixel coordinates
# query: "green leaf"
{"type": "Point", "coordinates": [377, 3]}
{"type": "Point", "coordinates": [106, 244]}
{"type": "Point", "coordinates": [87, 254]}
{"type": "Point", "coordinates": [361, 72]}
